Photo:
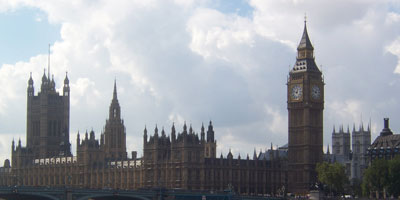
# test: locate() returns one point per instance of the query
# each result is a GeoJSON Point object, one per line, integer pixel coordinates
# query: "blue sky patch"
{"type": "Point", "coordinates": [25, 32]}
{"type": "Point", "coordinates": [240, 7]}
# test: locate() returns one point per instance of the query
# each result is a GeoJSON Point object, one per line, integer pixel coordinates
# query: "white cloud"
{"type": "Point", "coordinates": [394, 48]}
{"type": "Point", "coordinates": [182, 60]}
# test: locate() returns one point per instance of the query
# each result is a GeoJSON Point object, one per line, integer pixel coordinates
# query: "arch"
{"type": "Point", "coordinates": [122, 196]}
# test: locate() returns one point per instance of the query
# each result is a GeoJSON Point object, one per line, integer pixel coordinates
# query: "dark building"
{"type": "Point", "coordinates": [305, 101]}
{"type": "Point", "coordinates": [185, 160]}
{"type": "Point", "coordinates": [47, 123]}
{"type": "Point", "coordinates": [386, 145]}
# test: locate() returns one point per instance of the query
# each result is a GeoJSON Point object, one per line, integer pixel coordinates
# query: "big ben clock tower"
{"type": "Point", "coordinates": [305, 99]}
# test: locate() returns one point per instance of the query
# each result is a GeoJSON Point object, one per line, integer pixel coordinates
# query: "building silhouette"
{"type": "Point", "coordinates": [183, 159]}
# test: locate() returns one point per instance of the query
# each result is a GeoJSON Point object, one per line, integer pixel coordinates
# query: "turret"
{"type": "Point", "coordinates": [202, 134]}
{"type": "Point", "coordinates": [173, 133]}
{"type": "Point", "coordinates": [210, 133]}
{"type": "Point", "coordinates": [31, 89]}
{"type": "Point", "coordinates": [44, 86]}
{"type": "Point", "coordinates": [156, 132]}
{"type": "Point", "coordinates": [92, 137]}
{"type": "Point", "coordinates": [184, 128]}
{"type": "Point", "coordinates": [52, 84]}
{"type": "Point", "coordinates": [66, 88]}
{"type": "Point", "coordinates": [78, 139]}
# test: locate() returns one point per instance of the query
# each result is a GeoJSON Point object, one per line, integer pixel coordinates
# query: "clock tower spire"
{"type": "Point", "coordinates": [305, 99]}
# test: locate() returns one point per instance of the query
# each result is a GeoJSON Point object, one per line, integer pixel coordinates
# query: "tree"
{"type": "Point", "coordinates": [376, 177]}
{"type": "Point", "coordinates": [394, 177]}
{"type": "Point", "coordinates": [332, 175]}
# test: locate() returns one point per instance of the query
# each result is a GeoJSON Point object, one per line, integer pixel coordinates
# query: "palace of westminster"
{"type": "Point", "coordinates": [180, 159]}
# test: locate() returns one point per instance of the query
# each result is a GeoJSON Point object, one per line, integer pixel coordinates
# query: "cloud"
{"type": "Point", "coordinates": [178, 61]}
{"type": "Point", "coordinates": [394, 48]}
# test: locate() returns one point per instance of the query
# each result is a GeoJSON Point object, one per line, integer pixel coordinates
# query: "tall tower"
{"type": "Point", "coordinates": [114, 131]}
{"type": "Point", "coordinates": [48, 120]}
{"type": "Point", "coordinates": [305, 101]}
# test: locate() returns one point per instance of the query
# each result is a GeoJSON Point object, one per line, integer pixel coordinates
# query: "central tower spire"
{"type": "Point", "coordinates": [114, 131]}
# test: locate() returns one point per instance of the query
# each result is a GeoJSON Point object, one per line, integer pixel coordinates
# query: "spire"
{"type": "Point", "coordinates": [348, 128]}
{"type": "Point", "coordinates": [328, 151]}
{"type": "Point", "coordinates": [202, 133]}
{"type": "Point", "coordinates": [334, 131]}
{"type": "Point", "coordinates": [184, 126]}
{"type": "Point", "coordinates": [48, 64]}
{"type": "Point", "coordinates": [156, 131]}
{"type": "Point", "coordinates": [115, 89]}
{"type": "Point", "coordinates": [173, 132]}
{"type": "Point", "coordinates": [115, 109]}
{"type": "Point", "coordinates": [162, 132]}
{"type": "Point", "coordinates": [30, 82]}
{"type": "Point", "coordinates": [305, 42]}
{"type": "Point", "coordinates": [44, 77]}
{"type": "Point", "coordinates": [255, 154]}
{"type": "Point", "coordinates": [78, 139]}
{"type": "Point", "coordinates": [190, 129]}
{"type": "Point", "coordinates": [66, 80]}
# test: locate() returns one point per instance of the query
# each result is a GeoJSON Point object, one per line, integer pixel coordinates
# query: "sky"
{"type": "Point", "coordinates": [191, 61]}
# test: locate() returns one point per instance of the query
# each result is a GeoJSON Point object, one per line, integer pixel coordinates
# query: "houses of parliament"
{"type": "Point", "coordinates": [176, 158]}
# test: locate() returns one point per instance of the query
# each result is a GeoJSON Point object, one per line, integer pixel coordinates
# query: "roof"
{"type": "Point", "coordinates": [305, 42]}
{"type": "Point", "coordinates": [389, 141]}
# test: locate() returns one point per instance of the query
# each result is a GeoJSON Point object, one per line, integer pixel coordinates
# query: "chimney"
{"type": "Point", "coordinates": [386, 130]}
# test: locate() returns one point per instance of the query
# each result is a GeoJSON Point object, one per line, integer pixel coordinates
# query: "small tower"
{"type": "Point", "coordinates": [114, 131]}
{"type": "Point", "coordinates": [202, 134]}
{"type": "Point", "coordinates": [66, 86]}
{"type": "Point", "coordinates": [144, 135]}
{"type": "Point", "coordinates": [211, 144]}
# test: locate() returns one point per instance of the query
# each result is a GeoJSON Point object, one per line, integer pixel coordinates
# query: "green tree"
{"type": "Point", "coordinates": [394, 177]}
{"type": "Point", "coordinates": [332, 175]}
{"type": "Point", "coordinates": [376, 177]}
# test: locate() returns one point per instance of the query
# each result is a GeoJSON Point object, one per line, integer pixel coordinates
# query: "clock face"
{"type": "Point", "coordinates": [297, 91]}
{"type": "Point", "coordinates": [315, 92]}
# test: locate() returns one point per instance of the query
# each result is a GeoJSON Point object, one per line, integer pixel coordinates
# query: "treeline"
{"type": "Point", "coordinates": [382, 178]}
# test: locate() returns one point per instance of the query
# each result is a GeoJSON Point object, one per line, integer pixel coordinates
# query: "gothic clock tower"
{"type": "Point", "coordinates": [305, 99]}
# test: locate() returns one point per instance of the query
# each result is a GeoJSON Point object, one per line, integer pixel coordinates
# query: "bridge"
{"type": "Point", "coordinates": [47, 193]}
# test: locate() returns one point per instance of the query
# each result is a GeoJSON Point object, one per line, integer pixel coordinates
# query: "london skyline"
{"type": "Point", "coordinates": [206, 61]}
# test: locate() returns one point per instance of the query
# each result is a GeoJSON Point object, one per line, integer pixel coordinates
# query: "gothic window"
{"type": "Point", "coordinates": [115, 112]}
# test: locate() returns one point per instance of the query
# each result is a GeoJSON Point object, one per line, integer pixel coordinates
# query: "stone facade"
{"type": "Point", "coordinates": [354, 156]}
{"type": "Point", "coordinates": [181, 160]}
